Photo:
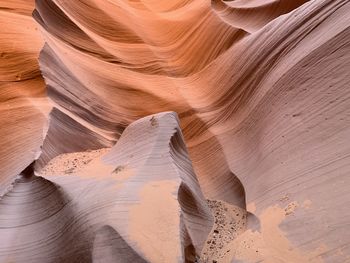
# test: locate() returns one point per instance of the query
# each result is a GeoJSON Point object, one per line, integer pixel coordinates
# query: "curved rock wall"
{"type": "Point", "coordinates": [261, 89]}
{"type": "Point", "coordinates": [23, 107]}
{"type": "Point", "coordinates": [140, 202]}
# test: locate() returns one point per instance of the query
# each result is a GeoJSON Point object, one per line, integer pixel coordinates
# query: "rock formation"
{"type": "Point", "coordinates": [140, 202]}
{"type": "Point", "coordinates": [23, 106]}
{"type": "Point", "coordinates": [261, 88]}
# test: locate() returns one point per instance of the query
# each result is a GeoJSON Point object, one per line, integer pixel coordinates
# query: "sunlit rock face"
{"type": "Point", "coordinates": [23, 107]}
{"type": "Point", "coordinates": [261, 89]}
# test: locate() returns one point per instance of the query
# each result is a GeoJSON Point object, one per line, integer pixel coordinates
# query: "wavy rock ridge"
{"type": "Point", "coordinates": [141, 201]}
{"type": "Point", "coordinates": [261, 88]}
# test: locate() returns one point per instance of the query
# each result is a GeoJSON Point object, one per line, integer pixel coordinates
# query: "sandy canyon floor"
{"type": "Point", "coordinates": [236, 235]}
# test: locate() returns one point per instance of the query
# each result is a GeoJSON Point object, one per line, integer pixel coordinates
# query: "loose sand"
{"type": "Point", "coordinates": [232, 238]}
{"type": "Point", "coordinates": [230, 221]}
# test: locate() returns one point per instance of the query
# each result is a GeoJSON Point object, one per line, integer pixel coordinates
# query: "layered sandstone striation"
{"type": "Point", "coordinates": [23, 103]}
{"type": "Point", "coordinates": [139, 202]}
{"type": "Point", "coordinates": [261, 89]}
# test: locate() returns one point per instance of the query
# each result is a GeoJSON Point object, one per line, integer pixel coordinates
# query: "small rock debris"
{"type": "Point", "coordinates": [154, 121]}
{"type": "Point", "coordinates": [229, 222]}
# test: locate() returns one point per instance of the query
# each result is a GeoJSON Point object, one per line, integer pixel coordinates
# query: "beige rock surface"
{"type": "Point", "coordinates": [261, 88]}
{"type": "Point", "coordinates": [140, 201]}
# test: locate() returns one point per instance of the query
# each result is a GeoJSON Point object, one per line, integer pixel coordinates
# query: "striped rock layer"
{"type": "Point", "coordinates": [261, 89]}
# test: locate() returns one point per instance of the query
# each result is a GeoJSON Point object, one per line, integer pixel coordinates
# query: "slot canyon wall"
{"type": "Point", "coordinates": [261, 89]}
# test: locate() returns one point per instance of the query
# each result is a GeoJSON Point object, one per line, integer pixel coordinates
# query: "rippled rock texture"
{"type": "Point", "coordinates": [261, 88]}
{"type": "Point", "coordinates": [23, 107]}
{"type": "Point", "coordinates": [140, 202]}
